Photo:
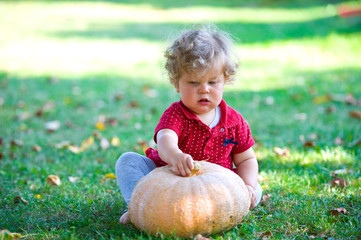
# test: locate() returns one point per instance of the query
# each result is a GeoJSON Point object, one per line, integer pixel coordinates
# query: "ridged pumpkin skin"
{"type": "Point", "coordinates": [214, 199]}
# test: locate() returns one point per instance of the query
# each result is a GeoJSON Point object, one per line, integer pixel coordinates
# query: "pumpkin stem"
{"type": "Point", "coordinates": [196, 168]}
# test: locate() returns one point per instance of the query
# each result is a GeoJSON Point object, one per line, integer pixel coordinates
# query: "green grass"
{"type": "Point", "coordinates": [81, 55]}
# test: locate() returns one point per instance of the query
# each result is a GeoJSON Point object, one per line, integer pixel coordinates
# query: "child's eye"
{"type": "Point", "coordinates": [193, 82]}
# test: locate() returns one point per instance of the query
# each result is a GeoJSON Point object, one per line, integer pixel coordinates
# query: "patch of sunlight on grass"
{"type": "Point", "coordinates": [33, 48]}
{"type": "Point", "coordinates": [273, 64]}
{"type": "Point", "coordinates": [270, 64]}
{"type": "Point", "coordinates": [107, 11]}
{"type": "Point", "coordinates": [331, 51]}
{"type": "Point", "coordinates": [36, 56]}
{"type": "Point", "coordinates": [329, 155]}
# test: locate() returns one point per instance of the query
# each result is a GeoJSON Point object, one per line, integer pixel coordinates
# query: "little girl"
{"type": "Point", "coordinates": [201, 126]}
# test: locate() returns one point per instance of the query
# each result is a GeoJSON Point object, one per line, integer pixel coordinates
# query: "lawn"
{"type": "Point", "coordinates": [83, 81]}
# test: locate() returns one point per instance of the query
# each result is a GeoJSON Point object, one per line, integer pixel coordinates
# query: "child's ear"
{"type": "Point", "coordinates": [176, 86]}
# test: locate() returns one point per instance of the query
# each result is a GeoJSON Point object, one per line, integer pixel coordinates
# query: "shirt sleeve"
{"type": "Point", "coordinates": [243, 137]}
{"type": "Point", "coordinates": [173, 119]}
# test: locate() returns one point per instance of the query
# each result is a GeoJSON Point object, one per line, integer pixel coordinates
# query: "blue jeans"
{"type": "Point", "coordinates": [131, 167]}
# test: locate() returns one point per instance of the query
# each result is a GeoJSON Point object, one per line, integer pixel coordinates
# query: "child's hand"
{"type": "Point", "coordinates": [252, 195]}
{"type": "Point", "coordinates": [182, 164]}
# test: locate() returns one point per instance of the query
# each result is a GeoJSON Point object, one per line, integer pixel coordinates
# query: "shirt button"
{"type": "Point", "coordinates": [222, 130]}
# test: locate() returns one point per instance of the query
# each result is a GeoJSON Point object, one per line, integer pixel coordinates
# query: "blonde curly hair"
{"type": "Point", "coordinates": [195, 51]}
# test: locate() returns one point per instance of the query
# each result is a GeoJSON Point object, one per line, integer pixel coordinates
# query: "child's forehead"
{"type": "Point", "coordinates": [214, 71]}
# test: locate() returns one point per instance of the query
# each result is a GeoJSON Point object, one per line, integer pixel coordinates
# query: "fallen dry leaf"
{"type": "Point", "coordinates": [143, 144]}
{"type": "Point", "coordinates": [340, 171]}
{"type": "Point", "coordinates": [45, 108]}
{"type": "Point", "coordinates": [322, 99]}
{"type": "Point", "coordinates": [265, 198]}
{"type": "Point", "coordinates": [52, 126]}
{"type": "Point", "coordinates": [282, 152]}
{"type": "Point", "coordinates": [338, 182]}
{"type": "Point", "coordinates": [96, 134]}
{"type": "Point", "coordinates": [100, 126]}
{"type": "Point", "coordinates": [36, 148]}
{"type": "Point", "coordinates": [338, 141]}
{"type": "Point", "coordinates": [115, 141]}
{"type": "Point", "coordinates": [355, 114]}
{"type": "Point", "coordinates": [331, 109]}
{"type": "Point", "coordinates": [104, 143]}
{"type": "Point", "coordinates": [73, 179]}
{"type": "Point", "coordinates": [309, 144]}
{"type": "Point", "coordinates": [350, 99]}
{"type": "Point", "coordinates": [23, 116]}
{"type": "Point", "coordinates": [149, 92]}
{"type": "Point", "coordinates": [338, 211]}
{"type": "Point", "coordinates": [87, 143]}
{"type": "Point", "coordinates": [109, 176]}
{"type": "Point", "coordinates": [16, 143]}
{"type": "Point", "coordinates": [62, 145]}
{"type": "Point", "coordinates": [7, 235]}
{"type": "Point", "coordinates": [19, 199]}
{"type": "Point", "coordinates": [112, 122]}
{"type": "Point", "coordinates": [266, 235]}
{"type": "Point", "coordinates": [74, 149]}
{"type": "Point", "coordinates": [101, 118]}
{"type": "Point", "coordinates": [134, 104]}
{"type": "Point", "coordinates": [53, 180]}
{"type": "Point", "coordinates": [119, 96]}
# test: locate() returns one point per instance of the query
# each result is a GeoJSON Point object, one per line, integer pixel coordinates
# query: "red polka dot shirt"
{"type": "Point", "coordinates": [217, 145]}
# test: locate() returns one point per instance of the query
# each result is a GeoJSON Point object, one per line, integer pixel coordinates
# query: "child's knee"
{"type": "Point", "coordinates": [125, 158]}
{"type": "Point", "coordinates": [124, 161]}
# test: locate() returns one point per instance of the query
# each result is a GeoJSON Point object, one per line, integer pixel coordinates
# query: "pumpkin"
{"type": "Point", "coordinates": [212, 200]}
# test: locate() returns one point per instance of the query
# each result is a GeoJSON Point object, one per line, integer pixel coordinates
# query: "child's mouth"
{"type": "Point", "coordinates": [203, 101]}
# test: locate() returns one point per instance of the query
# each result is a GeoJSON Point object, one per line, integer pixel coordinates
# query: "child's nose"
{"type": "Point", "coordinates": [204, 88]}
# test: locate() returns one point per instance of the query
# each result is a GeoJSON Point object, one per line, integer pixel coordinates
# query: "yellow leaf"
{"type": "Point", "coordinates": [115, 141]}
{"type": "Point", "coordinates": [87, 143]}
{"type": "Point", "coordinates": [74, 149]}
{"type": "Point", "coordinates": [100, 126]}
{"type": "Point", "coordinates": [322, 99]}
{"type": "Point", "coordinates": [110, 175]}
{"type": "Point", "coordinates": [38, 196]}
{"type": "Point", "coordinates": [7, 235]}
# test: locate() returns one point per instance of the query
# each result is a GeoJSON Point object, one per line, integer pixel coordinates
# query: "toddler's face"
{"type": "Point", "coordinates": [202, 94]}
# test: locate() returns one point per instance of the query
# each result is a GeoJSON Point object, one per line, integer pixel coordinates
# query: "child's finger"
{"type": "Point", "coordinates": [182, 169]}
{"type": "Point", "coordinates": [190, 163]}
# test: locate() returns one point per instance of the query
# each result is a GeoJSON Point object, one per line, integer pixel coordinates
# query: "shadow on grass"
{"type": "Point", "coordinates": [241, 31]}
